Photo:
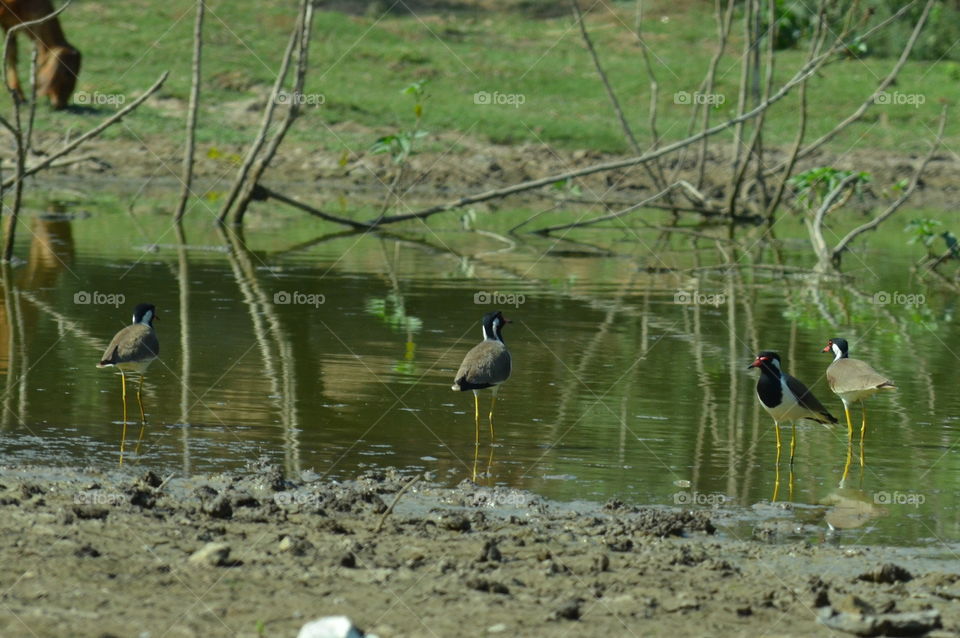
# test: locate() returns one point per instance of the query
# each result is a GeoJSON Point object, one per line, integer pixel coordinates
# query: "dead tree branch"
{"type": "Point", "coordinates": [192, 107]}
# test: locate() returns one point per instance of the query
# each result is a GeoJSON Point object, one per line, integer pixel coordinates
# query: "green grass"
{"type": "Point", "coordinates": [360, 64]}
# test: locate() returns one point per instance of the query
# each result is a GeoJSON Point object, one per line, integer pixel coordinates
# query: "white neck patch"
{"type": "Point", "coordinates": [836, 351]}
{"type": "Point", "coordinates": [146, 319]}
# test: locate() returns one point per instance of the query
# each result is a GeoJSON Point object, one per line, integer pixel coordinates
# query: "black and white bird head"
{"type": "Point", "coordinates": [768, 361]}
{"type": "Point", "coordinates": [493, 323]}
{"type": "Point", "coordinates": [838, 347]}
{"type": "Point", "coordinates": [144, 313]}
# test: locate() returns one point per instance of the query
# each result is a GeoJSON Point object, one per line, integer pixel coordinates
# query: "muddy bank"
{"type": "Point", "coordinates": [257, 553]}
{"type": "Point", "coordinates": [464, 166]}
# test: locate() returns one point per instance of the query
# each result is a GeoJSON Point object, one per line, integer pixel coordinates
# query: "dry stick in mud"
{"type": "Point", "coordinates": [265, 122]}
{"type": "Point", "coordinates": [244, 187]}
{"type": "Point", "coordinates": [188, 150]}
{"type": "Point", "coordinates": [396, 500]}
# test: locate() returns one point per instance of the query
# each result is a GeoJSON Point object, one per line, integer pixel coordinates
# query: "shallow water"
{"type": "Point", "coordinates": [335, 355]}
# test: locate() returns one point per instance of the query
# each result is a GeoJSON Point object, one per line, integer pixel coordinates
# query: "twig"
{"type": "Point", "coordinates": [844, 243]}
{"type": "Point", "coordinates": [614, 102]}
{"type": "Point", "coordinates": [266, 120]}
{"type": "Point", "coordinates": [804, 72]}
{"type": "Point", "coordinates": [305, 23]}
{"type": "Point", "coordinates": [396, 500]}
{"type": "Point", "coordinates": [882, 86]}
{"type": "Point", "coordinates": [188, 150]}
{"type": "Point", "coordinates": [724, 22]}
{"type": "Point", "coordinates": [619, 213]}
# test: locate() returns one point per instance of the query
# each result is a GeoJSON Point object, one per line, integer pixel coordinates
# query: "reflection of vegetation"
{"type": "Point", "coordinates": [390, 309]}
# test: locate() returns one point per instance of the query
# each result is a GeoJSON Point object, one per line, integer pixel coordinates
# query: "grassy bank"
{"type": "Point", "coordinates": [536, 67]}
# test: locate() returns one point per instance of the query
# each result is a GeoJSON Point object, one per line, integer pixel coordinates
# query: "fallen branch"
{"type": "Point", "coordinates": [619, 213]}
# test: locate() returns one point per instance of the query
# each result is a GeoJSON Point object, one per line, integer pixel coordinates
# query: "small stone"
{"type": "Point", "coordinates": [499, 628]}
{"type": "Point", "coordinates": [211, 555]}
{"type": "Point", "coordinates": [887, 574]}
{"type": "Point", "coordinates": [348, 560]}
{"type": "Point", "coordinates": [569, 610]}
{"type": "Point", "coordinates": [332, 627]}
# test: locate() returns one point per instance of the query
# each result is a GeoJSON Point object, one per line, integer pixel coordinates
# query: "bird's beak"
{"type": "Point", "coordinates": [827, 348]}
{"type": "Point", "coordinates": [755, 364]}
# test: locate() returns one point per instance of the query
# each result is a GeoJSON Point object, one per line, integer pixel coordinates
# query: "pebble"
{"type": "Point", "coordinates": [332, 627]}
{"type": "Point", "coordinates": [211, 555]}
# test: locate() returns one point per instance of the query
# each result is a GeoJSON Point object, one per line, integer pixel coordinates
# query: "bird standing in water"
{"type": "Point", "coordinates": [853, 380]}
{"type": "Point", "coordinates": [785, 398]}
{"type": "Point", "coordinates": [487, 365]}
{"type": "Point", "coordinates": [132, 350]}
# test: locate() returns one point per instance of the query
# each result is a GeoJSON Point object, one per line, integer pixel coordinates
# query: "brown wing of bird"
{"type": "Point", "coordinates": [487, 364]}
{"type": "Point", "coordinates": [806, 400]}
{"type": "Point", "coordinates": [133, 343]}
{"type": "Point", "coordinates": [853, 375]}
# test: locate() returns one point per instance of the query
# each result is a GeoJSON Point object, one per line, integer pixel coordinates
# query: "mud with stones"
{"type": "Point", "coordinates": [257, 553]}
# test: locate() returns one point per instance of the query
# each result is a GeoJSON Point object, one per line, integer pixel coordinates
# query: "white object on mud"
{"type": "Point", "coordinates": [332, 627]}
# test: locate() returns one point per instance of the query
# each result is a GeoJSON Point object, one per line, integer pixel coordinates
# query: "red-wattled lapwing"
{"type": "Point", "coordinates": [785, 398]}
{"type": "Point", "coordinates": [486, 366]}
{"type": "Point", "coordinates": [132, 350]}
{"type": "Point", "coordinates": [853, 380]}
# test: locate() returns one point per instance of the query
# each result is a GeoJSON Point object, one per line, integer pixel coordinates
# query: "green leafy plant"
{"type": "Point", "coordinates": [813, 185]}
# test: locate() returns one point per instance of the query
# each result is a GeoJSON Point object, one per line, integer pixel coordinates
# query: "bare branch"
{"type": "Point", "coordinates": [192, 107]}
{"type": "Point", "coordinates": [844, 243]}
{"type": "Point", "coordinates": [92, 133]}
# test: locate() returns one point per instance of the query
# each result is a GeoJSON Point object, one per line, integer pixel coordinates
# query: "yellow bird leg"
{"type": "Point", "coordinates": [846, 465]}
{"type": "Point", "coordinates": [863, 424]}
{"type": "Point", "coordinates": [123, 394]}
{"type": "Point", "coordinates": [776, 485]}
{"type": "Point", "coordinates": [846, 411]}
{"type": "Point", "coordinates": [476, 455]}
{"type": "Point", "coordinates": [493, 402]}
{"type": "Point", "coordinates": [790, 485]}
{"type": "Point", "coordinates": [793, 444]}
{"type": "Point", "coordinates": [476, 415]}
{"type": "Point", "coordinates": [143, 419]}
{"type": "Point", "coordinates": [776, 427]}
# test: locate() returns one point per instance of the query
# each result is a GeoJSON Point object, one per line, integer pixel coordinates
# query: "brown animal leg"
{"type": "Point", "coordinates": [13, 82]}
